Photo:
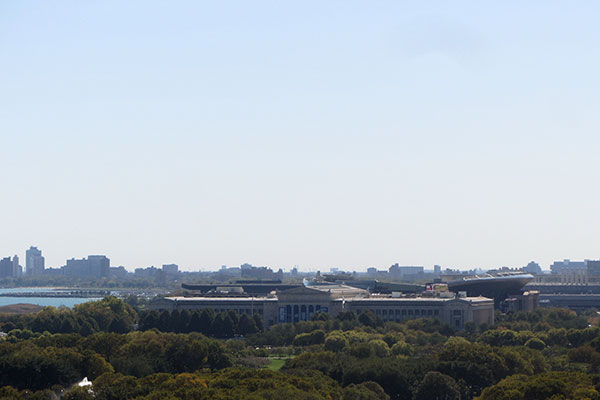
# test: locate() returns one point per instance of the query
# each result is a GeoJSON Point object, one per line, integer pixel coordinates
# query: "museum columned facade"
{"type": "Point", "coordinates": [300, 303]}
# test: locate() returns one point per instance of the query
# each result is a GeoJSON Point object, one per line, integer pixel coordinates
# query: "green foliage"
{"type": "Point", "coordinates": [108, 315]}
{"type": "Point", "coordinates": [227, 384]}
{"type": "Point", "coordinates": [344, 358]}
{"type": "Point", "coordinates": [335, 342]}
{"type": "Point", "coordinates": [222, 325]}
{"type": "Point", "coordinates": [64, 359]}
{"type": "Point", "coordinates": [403, 349]}
{"type": "Point", "coordinates": [550, 385]}
{"type": "Point", "coordinates": [549, 317]}
{"type": "Point", "coordinates": [535, 343]}
{"type": "Point", "coordinates": [307, 339]}
{"type": "Point", "coordinates": [437, 386]}
{"type": "Point", "coordinates": [379, 348]}
{"type": "Point", "coordinates": [364, 391]}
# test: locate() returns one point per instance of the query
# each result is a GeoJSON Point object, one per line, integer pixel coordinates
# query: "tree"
{"type": "Point", "coordinates": [364, 391]}
{"type": "Point", "coordinates": [183, 323]}
{"type": "Point", "coordinates": [164, 321]}
{"type": "Point", "coordinates": [320, 316]}
{"type": "Point", "coordinates": [260, 323]}
{"type": "Point", "coordinates": [535, 343]}
{"type": "Point", "coordinates": [174, 321]}
{"type": "Point", "coordinates": [437, 386]}
{"type": "Point", "coordinates": [335, 343]}
{"type": "Point", "coordinates": [347, 316]}
{"type": "Point", "coordinates": [218, 327]}
{"type": "Point", "coordinates": [118, 325]}
{"type": "Point", "coordinates": [402, 348]}
{"type": "Point", "coordinates": [195, 323]}
{"type": "Point", "coordinates": [367, 318]}
{"type": "Point", "coordinates": [246, 325]}
{"type": "Point", "coordinates": [380, 348]}
{"type": "Point", "coordinates": [207, 318]}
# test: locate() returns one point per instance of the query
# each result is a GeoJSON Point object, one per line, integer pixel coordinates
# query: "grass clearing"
{"type": "Point", "coordinates": [275, 363]}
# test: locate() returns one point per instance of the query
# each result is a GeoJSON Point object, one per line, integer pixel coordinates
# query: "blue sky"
{"type": "Point", "coordinates": [319, 134]}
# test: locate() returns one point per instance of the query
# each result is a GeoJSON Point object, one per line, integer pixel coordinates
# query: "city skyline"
{"type": "Point", "coordinates": [320, 135]}
{"type": "Point", "coordinates": [286, 268]}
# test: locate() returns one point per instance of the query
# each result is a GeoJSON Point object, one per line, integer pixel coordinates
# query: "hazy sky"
{"type": "Point", "coordinates": [323, 134]}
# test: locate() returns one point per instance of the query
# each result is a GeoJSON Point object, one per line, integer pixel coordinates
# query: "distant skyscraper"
{"type": "Point", "coordinates": [93, 266]}
{"type": "Point", "coordinates": [34, 261]}
{"type": "Point", "coordinates": [533, 268]}
{"type": "Point", "coordinates": [6, 267]}
{"type": "Point", "coordinates": [170, 268]}
{"type": "Point", "coordinates": [99, 266]}
{"type": "Point", "coordinates": [17, 270]}
{"type": "Point", "coordinates": [593, 267]}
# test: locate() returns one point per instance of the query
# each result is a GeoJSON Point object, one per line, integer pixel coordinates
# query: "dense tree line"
{"type": "Point", "coordinates": [207, 322]}
{"type": "Point", "coordinates": [554, 353]}
{"type": "Point", "coordinates": [229, 384]}
{"type": "Point", "coordinates": [63, 359]}
{"type": "Point", "coordinates": [107, 315]}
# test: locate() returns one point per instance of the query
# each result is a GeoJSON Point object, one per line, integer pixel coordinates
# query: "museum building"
{"type": "Point", "coordinates": [300, 303]}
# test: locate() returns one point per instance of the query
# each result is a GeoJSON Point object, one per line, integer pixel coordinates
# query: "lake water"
{"type": "Point", "coordinates": [41, 301]}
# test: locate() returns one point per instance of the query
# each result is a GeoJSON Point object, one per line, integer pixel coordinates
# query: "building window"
{"type": "Point", "coordinates": [429, 312]}
{"type": "Point", "coordinates": [281, 314]}
{"type": "Point", "coordinates": [417, 312]}
{"type": "Point", "coordinates": [436, 312]}
{"type": "Point", "coordinates": [377, 312]}
{"type": "Point", "coordinates": [404, 312]}
{"type": "Point", "coordinates": [384, 312]}
{"type": "Point", "coordinates": [410, 312]}
{"type": "Point", "coordinates": [456, 312]}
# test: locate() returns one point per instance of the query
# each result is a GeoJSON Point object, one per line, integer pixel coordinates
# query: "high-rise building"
{"type": "Point", "coordinates": [533, 268]}
{"type": "Point", "coordinates": [170, 268]}
{"type": "Point", "coordinates": [99, 266]}
{"type": "Point", "coordinates": [406, 272]}
{"type": "Point", "coordinates": [17, 270]}
{"type": "Point", "coordinates": [6, 267]}
{"type": "Point", "coordinates": [559, 267]}
{"type": "Point", "coordinates": [593, 267]}
{"type": "Point", "coordinates": [34, 261]}
{"type": "Point", "coordinates": [92, 267]}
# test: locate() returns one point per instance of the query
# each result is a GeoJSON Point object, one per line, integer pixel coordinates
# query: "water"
{"type": "Point", "coordinates": [41, 301]}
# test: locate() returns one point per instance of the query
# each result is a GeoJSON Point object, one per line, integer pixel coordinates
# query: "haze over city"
{"type": "Point", "coordinates": [339, 134]}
